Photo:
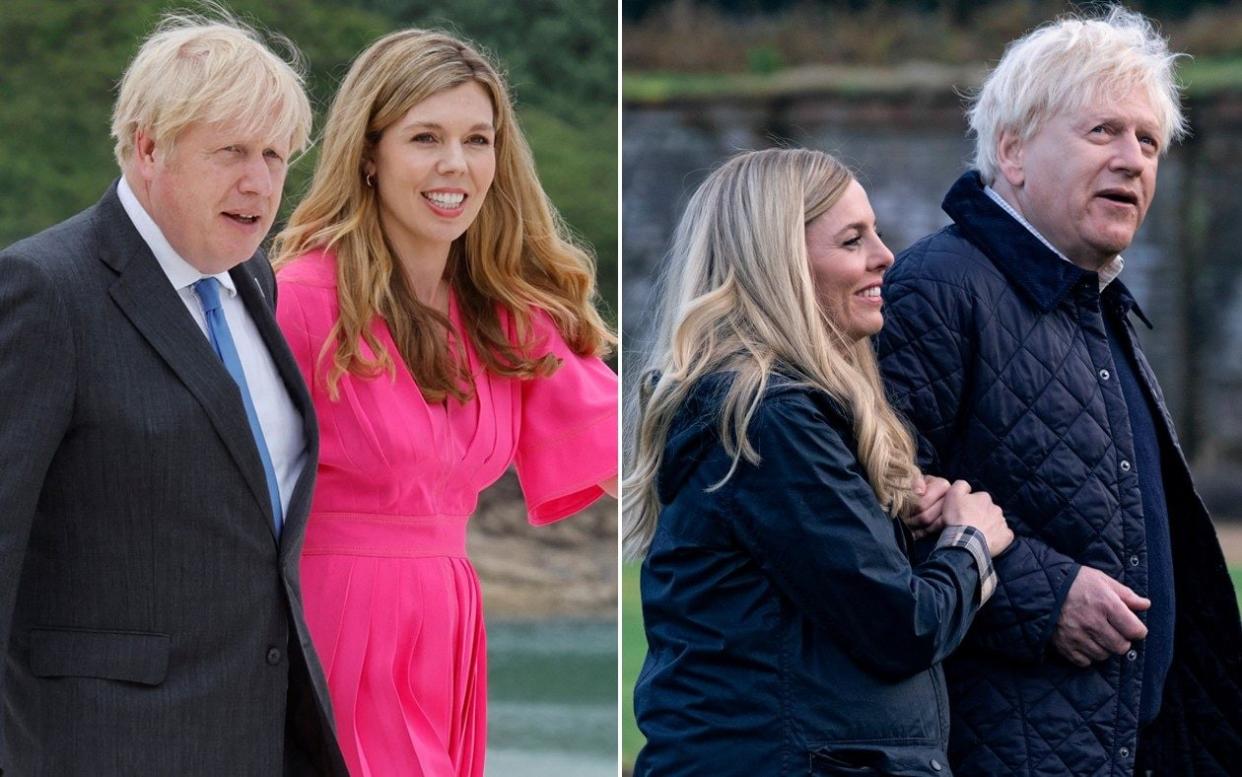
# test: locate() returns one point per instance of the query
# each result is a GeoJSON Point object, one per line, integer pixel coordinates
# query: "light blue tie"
{"type": "Point", "coordinates": [208, 291]}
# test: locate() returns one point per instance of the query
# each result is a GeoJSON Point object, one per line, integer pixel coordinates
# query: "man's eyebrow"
{"type": "Point", "coordinates": [1114, 117]}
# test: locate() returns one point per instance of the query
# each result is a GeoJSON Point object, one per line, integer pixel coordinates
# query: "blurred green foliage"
{"type": "Point", "coordinates": [560, 55]}
{"type": "Point", "coordinates": [764, 59]}
{"type": "Point", "coordinates": [705, 36]}
{"type": "Point", "coordinates": [1202, 78]}
{"type": "Point", "coordinates": [960, 9]}
{"type": "Point", "coordinates": [60, 64]}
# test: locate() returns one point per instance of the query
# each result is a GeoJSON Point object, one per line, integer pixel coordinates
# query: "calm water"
{"type": "Point", "coordinates": [552, 699]}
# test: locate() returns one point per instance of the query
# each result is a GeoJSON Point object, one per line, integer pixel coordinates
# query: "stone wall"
{"type": "Point", "coordinates": [567, 569]}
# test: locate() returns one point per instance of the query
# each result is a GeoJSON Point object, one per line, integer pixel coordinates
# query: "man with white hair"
{"type": "Point", "coordinates": [1112, 644]}
{"type": "Point", "coordinates": [158, 445]}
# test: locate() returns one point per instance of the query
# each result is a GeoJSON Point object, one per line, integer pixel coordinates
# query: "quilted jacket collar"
{"type": "Point", "coordinates": [1028, 264]}
{"type": "Point", "coordinates": [1125, 301]}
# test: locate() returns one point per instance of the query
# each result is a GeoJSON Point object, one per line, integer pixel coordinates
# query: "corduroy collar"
{"type": "Point", "coordinates": [1028, 264]}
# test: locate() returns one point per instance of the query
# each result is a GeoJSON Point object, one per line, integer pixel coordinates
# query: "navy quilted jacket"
{"type": "Point", "coordinates": [995, 349]}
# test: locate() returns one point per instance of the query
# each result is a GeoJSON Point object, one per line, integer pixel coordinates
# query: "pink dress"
{"type": "Point", "coordinates": [392, 602]}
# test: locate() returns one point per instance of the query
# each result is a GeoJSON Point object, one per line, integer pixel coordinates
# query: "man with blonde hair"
{"type": "Point", "coordinates": [1009, 345]}
{"type": "Point", "coordinates": [158, 444]}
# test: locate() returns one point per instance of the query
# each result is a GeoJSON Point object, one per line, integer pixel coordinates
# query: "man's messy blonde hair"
{"type": "Point", "coordinates": [211, 69]}
{"type": "Point", "coordinates": [1070, 63]}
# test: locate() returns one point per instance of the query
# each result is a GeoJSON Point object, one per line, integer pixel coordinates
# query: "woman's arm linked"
{"type": "Point", "coordinates": [811, 520]}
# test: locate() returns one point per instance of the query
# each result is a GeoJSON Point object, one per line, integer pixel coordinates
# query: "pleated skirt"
{"type": "Point", "coordinates": [395, 612]}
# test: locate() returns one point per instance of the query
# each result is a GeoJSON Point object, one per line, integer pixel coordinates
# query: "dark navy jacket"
{"type": "Point", "coordinates": [787, 632]}
{"type": "Point", "coordinates": [996, 349]}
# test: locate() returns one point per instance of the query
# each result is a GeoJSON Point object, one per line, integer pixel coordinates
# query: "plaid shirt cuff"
{"type": "Point", "coordinates": [971, 539]}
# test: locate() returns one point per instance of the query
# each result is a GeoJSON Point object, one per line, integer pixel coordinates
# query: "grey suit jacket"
{"type": "Point", "coordinates": [151, 622]}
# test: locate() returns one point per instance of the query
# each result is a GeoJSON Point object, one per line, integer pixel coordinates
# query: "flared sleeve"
{"type": "Point", "coordinates": [567, 442]}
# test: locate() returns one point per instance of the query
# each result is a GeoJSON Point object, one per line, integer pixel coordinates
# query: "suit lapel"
{"type": "Point", "coordinates": [257, 303]}
{"type": "Point", "coordinates": [148, 300]}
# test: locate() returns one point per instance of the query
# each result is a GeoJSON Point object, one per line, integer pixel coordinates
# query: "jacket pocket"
{"type": "Point", "coordinates": [878, 759]}
{"type": "Point", "coordinates": [129, 656]}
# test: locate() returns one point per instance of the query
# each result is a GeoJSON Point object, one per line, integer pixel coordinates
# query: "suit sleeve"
{"type": "Point", "coordinates": [810, 518]}
{"type": "Point", "coordinates": [36, 401]}
{"type": "Point", "coordinates": [926, 358]}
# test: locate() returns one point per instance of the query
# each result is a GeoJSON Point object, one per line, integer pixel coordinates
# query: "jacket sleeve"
{"type": "Point", "coordinates": [926, 353]}
{"type": "Point", "coordinates": [36, 401]}
{"type": "Point", "coordinates": [810, 519]}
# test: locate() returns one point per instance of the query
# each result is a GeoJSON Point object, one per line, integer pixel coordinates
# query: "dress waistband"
{"type": "Point", "coordinates": [395, 536]}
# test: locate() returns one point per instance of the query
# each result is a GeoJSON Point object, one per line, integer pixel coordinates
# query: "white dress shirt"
{"type": "Point", "coordinates": [279, 419]}
{"type": "Point", "coordinates": [1108, 273]}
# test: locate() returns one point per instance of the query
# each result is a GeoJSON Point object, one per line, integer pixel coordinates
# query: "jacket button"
{"type": "Point", "coordinates": [1134, 561]}
{"type": "Point", "coordinates": [935, 765]}
{"type": "Point", "coordinates": [1124, 752]}
{"type": "Point", "coordinates": [273, 656]}
{"type": "Point", "coordinates": [1125, 466]}
{"type": "Point", "coordinates": [1104, 375]}
{"type": "Point", "coordinates": [1131, 655]}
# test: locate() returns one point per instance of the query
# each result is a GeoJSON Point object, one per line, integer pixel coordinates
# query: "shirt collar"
{"type": "Point", "coordinates": [180, 272]}
{"type": "Point", "coordinates": [1027, 262]}
{"type": "Point", "coordinates": [1108, 273]}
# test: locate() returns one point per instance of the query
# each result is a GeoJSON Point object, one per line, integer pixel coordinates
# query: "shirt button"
{"type": "Point", "coordinates": [273, 656]}
{"type": "Point", "coordinates": [935, 765]}
{"type": "Point", "coordinates": [1124, 752]}
{"type": "Point", "coordinates": [1105, 375]}
{"type": "Point", "coordinates": [1134, 561]}
{"type": "Point", "coordinates": [1131, 655]}
{"type": "Point", "coordinates": [1125, 465]}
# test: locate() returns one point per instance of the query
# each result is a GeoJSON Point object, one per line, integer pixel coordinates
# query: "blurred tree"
{"type": "Point", "coordinates": [559, 54]}
{"type": "Point", "coordinates": [578, 168]}
{"type": "Point", "coordinates": [60, 64]}
{"type": "Point", "coordinates": [959, 10]}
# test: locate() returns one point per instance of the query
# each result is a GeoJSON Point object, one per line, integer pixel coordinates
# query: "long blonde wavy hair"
{"type": "Point", "coordinates": [738, 297]}
{"type": "Point", "coordinates": [517, 255]}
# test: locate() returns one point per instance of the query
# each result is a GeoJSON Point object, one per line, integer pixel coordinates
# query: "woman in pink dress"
{"type": "Point", "coordinates": [444, 322]}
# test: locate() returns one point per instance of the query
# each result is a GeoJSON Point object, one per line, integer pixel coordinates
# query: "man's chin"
{"type": "Point", "coordinates": [224, 261]}
{"type": "Point", "coordinates": [1109, 246]}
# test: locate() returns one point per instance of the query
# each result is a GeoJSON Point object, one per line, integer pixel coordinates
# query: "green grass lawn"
{"type": "Point", "coordinates": [634, 647]}
{"type": "Point", "coordinates": [1202, 78]}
